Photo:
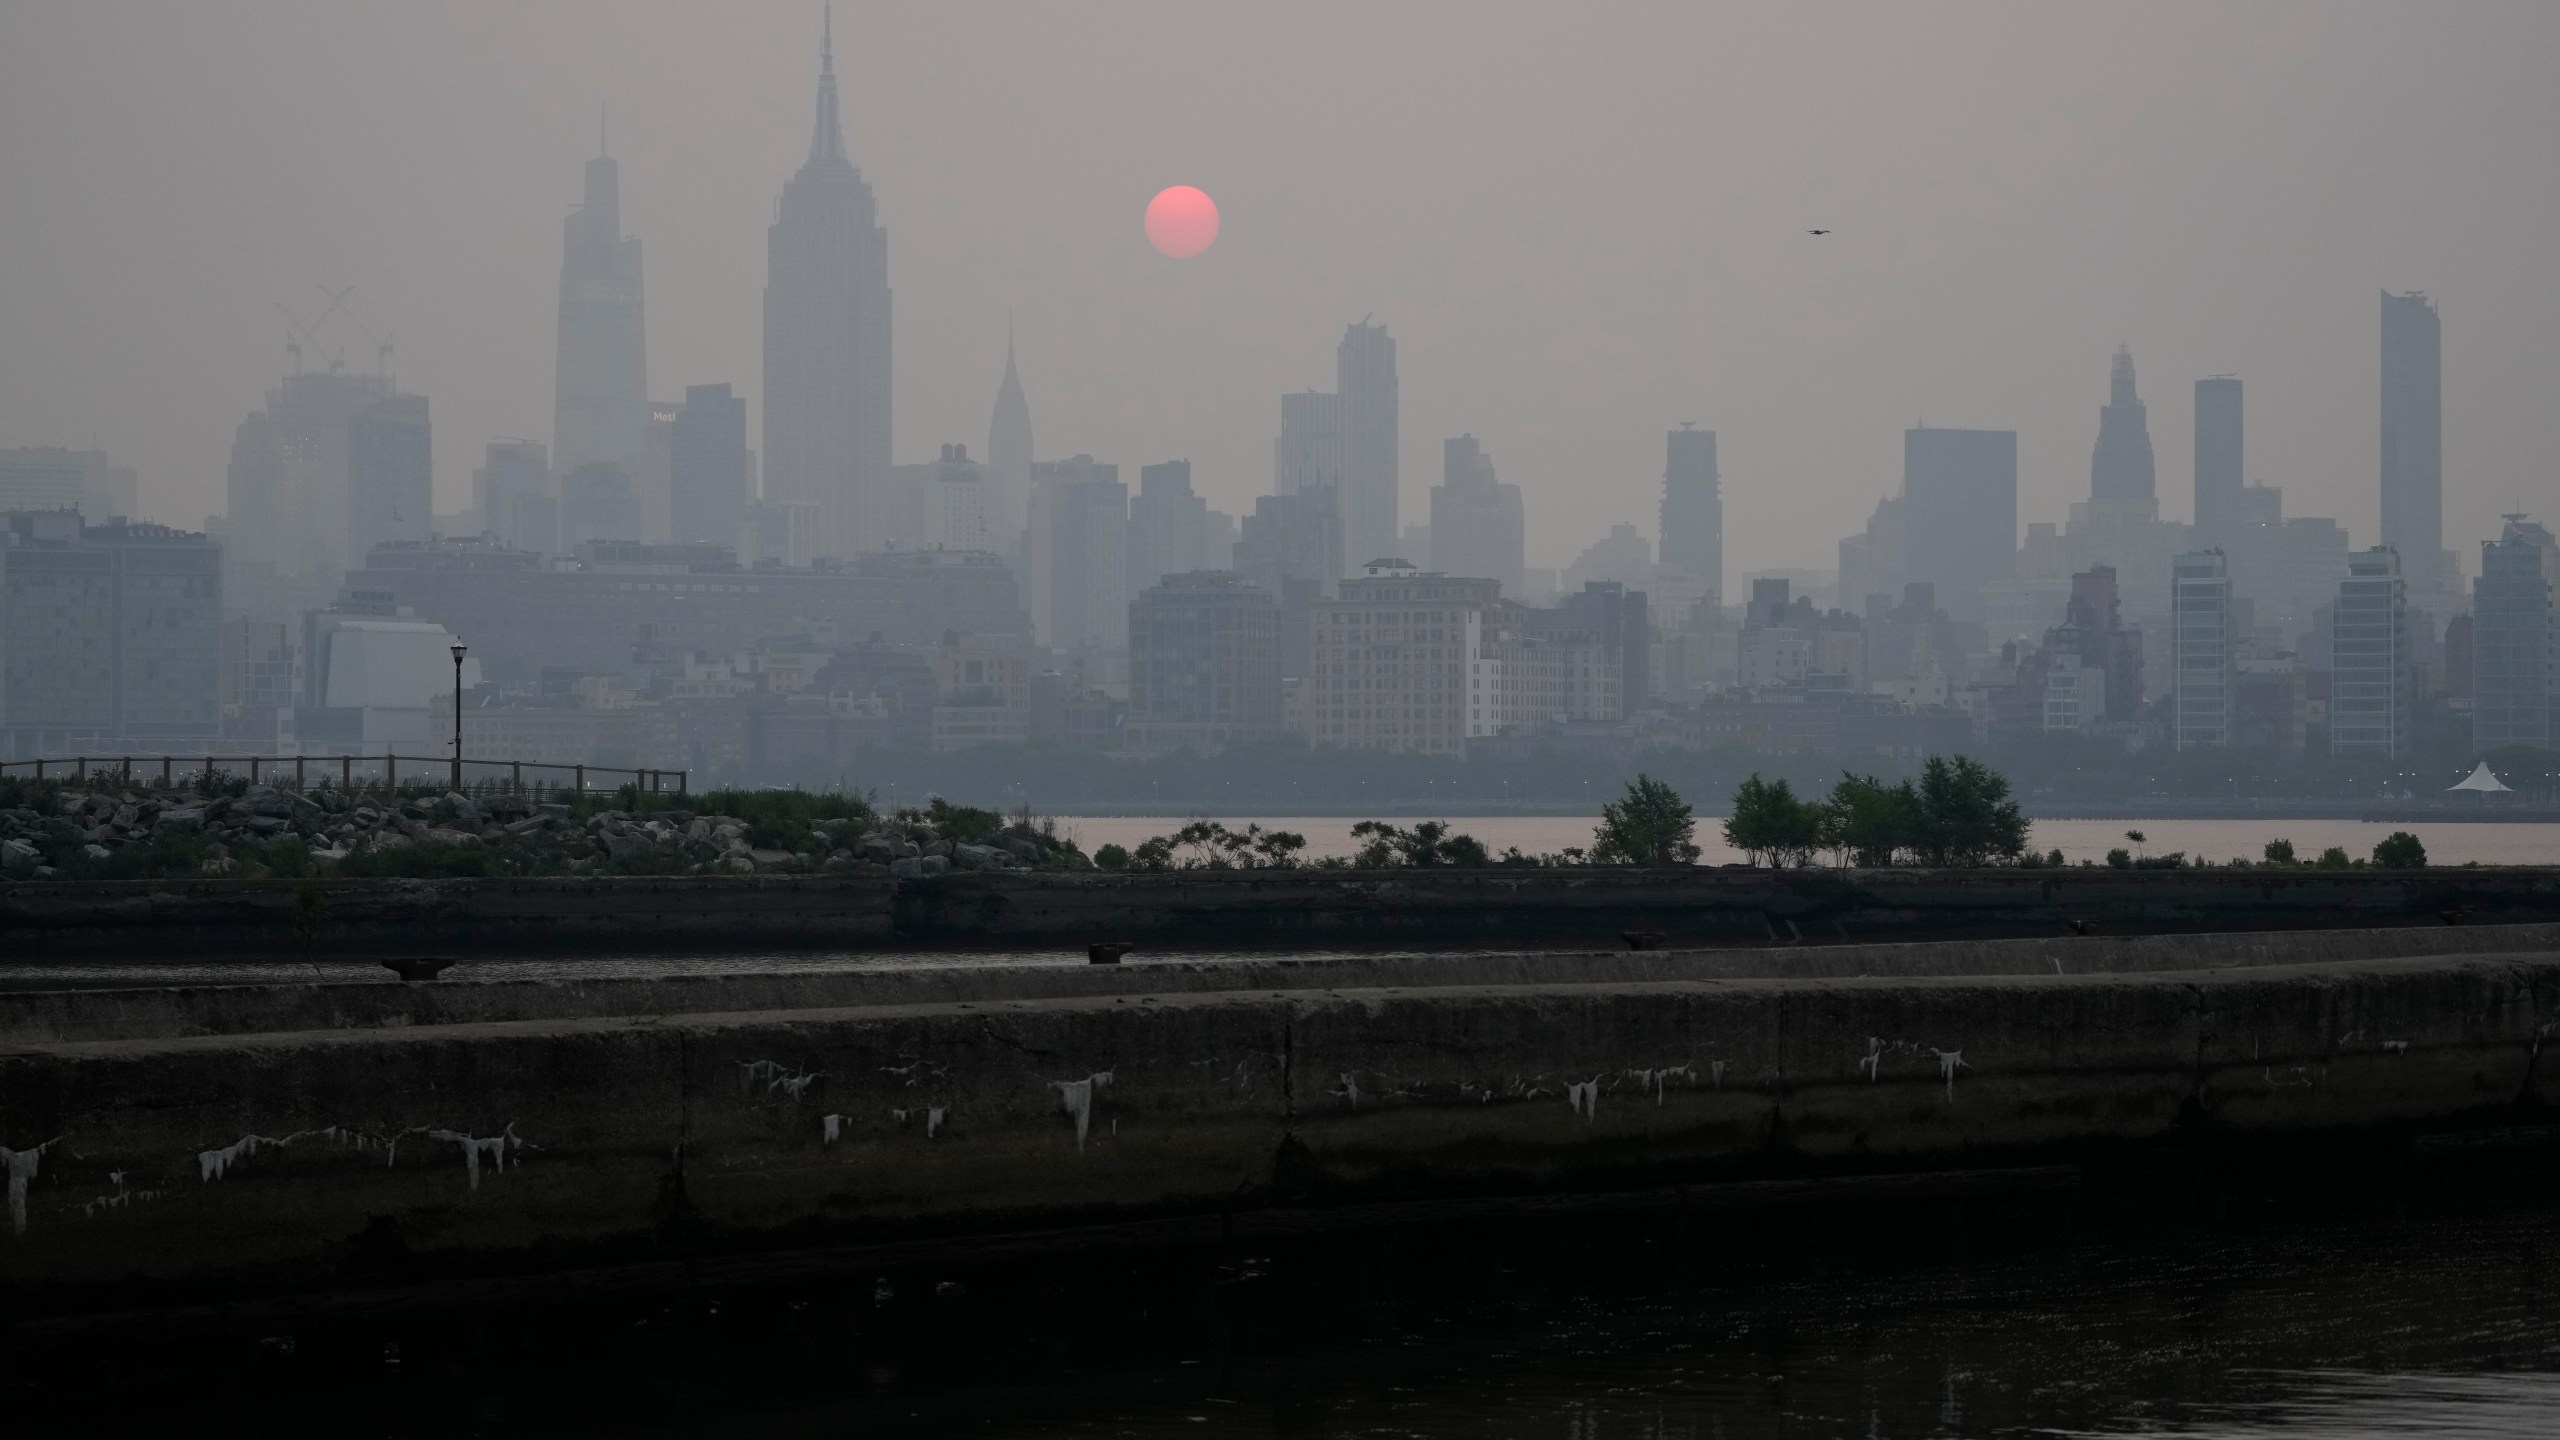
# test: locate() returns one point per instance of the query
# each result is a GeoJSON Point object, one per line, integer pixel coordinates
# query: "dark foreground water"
{"type": "Point", "coordinates": [2312, 1304]}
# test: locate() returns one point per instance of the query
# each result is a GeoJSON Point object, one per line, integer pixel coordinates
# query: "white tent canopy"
{"type": "Point", "coordinates": [2480, 780]}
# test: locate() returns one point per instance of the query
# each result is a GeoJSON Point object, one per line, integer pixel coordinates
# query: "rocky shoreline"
{"type": "Point", "coordinates": [263, 830]}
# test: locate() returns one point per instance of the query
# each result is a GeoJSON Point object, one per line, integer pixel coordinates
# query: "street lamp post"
{"type": "Point", "coordinates": [458, 649]}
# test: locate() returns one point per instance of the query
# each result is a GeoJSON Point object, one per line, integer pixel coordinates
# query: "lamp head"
{"type": "Point", "coordinates": [458, 650]}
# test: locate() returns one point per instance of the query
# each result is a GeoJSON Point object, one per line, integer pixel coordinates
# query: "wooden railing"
{"type": "Point", "coordinates": [351, 774]}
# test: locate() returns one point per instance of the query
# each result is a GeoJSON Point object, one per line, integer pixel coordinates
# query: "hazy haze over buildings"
{"type": "Point", "coordinates": [2226, 188]}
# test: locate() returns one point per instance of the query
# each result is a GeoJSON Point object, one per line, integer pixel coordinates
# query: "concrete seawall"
{"type": "Point", "coordinates": [149, 1168]}
{"type": "Point", "coordinates": [1229, 910]}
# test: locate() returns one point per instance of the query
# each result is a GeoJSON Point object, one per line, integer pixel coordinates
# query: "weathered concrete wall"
{"type": "Point", "coordinates": [1231, 910]}
{"type": "Point", "coordinates": [488, 991]}
{"type": "Point", "coordinates": [223, 1163]}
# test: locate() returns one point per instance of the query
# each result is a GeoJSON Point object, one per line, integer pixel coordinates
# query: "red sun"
{"type": "Point", "coordinates": [1182, 221]}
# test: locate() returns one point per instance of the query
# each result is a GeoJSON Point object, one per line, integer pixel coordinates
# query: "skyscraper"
{"type": "Point", "coordinates": [2120, 465]}
{"type": "Point", "coordinates": [1365, 379]}
{"type": "Point", "coordinates": [1959, 513]}
{"type": "Point", "coordinates": [390, 476]}
{"type": "Point", "coordinates": [2370, 670]}
{"type": "Point", "coordinates": [1477, 528]}
{"type": "Point", "coordinates": [2413, 437]}
{"type": "Point", "coordinates": [1693, 510]}
{"type": "Point", "coordinates": [290, 530]}
{"type": "Point", "coordinates": [2218, 460]}
{"type": "Point", "coordinates": [2515, 652]}
{"type": "Point", "coordinates": [600, 396]}
{"type": "Point", "coordinates": [826, 339]}
{"type": "Point", "coordinates": [709, 466]}
{"type": "Point", "coordinates": [1168, 525]}
{"type": "Point", "coordinates": [2200, 650]}
{"type": "Point", "coordinates": [1009, 455]}
{"type": "Point", "coordinates": [512, 493]}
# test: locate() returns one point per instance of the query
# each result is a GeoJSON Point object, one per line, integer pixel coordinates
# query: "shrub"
{"type": "Point", "coordinates": [2279, 852]}
{"type": "Point", "coordinates": [25, 793]}
{"type": "Point", "coordinates": [1111, 857]}
{"type": "Point", "coordinates": [2333, 858]}
{"type": "Point", "coordinates": [1209, 845]}
{"type": "Point", "coordinates": [2400, 850]}
{"type": "Point", "coordinates": [2119, 859]}
{"type": "Point", "coordinates": [1649, 825]}
{"type": "Point", "coordinates": [1768, 820]}
{"type": "Point", "coordinates": [1429, 842]}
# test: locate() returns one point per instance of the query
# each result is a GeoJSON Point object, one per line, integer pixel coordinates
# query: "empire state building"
{"type": "Point", "coordinates": [826, 343]}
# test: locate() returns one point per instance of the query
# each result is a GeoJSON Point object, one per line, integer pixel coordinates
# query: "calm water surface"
{"type": "Point", "coordinates": [2429, 1322]}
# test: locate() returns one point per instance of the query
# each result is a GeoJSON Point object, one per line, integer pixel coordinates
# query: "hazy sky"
{"type": "Point", "coordinates": [1583, 223]}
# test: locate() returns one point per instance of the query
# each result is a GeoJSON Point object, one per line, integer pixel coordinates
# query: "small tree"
{"type": "Point", "coordinates": [1768, 820]}
{"type": "Point", "coordinates": [1870, 822]}
{"type": "Point", "coordinates": [2279, 852]}
{"type": "Point", "coordinates": [1966, 815]}
{"type": "Point", "coordinates": [1649, 825]}
{"type": "Point", "coordinates": [2400, 850]}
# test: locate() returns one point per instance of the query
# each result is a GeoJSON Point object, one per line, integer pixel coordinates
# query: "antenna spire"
{"type": "Point", "coordinates": [827, 143]}
{"type": "Point", "coordinates": [604, 128]}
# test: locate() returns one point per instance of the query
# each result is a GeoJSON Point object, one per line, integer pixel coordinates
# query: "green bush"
{"type": "Point", "coordinates": [20, 792]}
{"type": "Point", "coordinates": [1429, 842]}
{"type": "Point", "coordinates": [2279, 852]}
{"type": "Point", "coordinates": [1768, 820]}
{"type": "Point", "coordinates": [2333, 858]}
{"type": "Point", "coordinates": [1649, 825]}
{"type": "Point", "coordinates": [1111, 857]}
{"type": "Point", "coordinates": [2400, 850]}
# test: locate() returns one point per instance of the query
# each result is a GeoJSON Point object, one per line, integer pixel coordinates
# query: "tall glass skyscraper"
{"type": "Point", "coordinates": [2413, 438]}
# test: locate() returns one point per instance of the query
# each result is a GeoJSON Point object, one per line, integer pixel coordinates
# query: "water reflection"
{"type": "Point", "coordinates": [2181, 1310]}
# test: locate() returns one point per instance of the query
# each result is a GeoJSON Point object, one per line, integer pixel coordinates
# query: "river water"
{"type": "Point", "coordinates": [2266, 1315]}
{"type": "Point", "coordinates": [2449, 843]}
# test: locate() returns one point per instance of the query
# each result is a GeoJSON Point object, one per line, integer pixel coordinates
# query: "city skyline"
{"type": "Point", "coordinates": [1807, 436]}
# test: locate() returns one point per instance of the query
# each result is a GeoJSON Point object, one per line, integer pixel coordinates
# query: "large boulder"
{"type": "Point", "coordinates": [980, 857]}
{"type": "Point", "coordinates": [182, 820]}
{"type": "Point", "coordinates": [17, 857]}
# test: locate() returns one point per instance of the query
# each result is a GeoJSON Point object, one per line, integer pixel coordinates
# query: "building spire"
{"type": "Point", "coordinates": [604, 129]}
{"type": "Point", "coordinates": [828, 141]}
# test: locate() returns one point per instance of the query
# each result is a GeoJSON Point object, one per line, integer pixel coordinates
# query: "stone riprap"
{"type": "Point", "coordinates": [236, 831]}
{"type": "Point", "coordinates": [148, 1168]}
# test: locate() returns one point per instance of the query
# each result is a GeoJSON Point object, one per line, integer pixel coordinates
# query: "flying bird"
{"type": "Point", "coordinates": [1817, 232]}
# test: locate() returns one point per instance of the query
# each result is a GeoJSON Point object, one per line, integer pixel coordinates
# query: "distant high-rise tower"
{"type": "Point", "coordinates": [1477, 528]}
{"type": "Point", "coordinates": [1009, 455]}
{"type": "Point", "coordinates": [2515, 649]}
{"type": "Point", "coordinates": [708, 466]}
{"type": "Point", "coordinates": [1693, 510]}
{"type": "Point", "coordinates": [2120, 466]}
{"type": "Point", "coordinates": [1365, 379]}
{"type": "Point", "coordinates": [2200, 650]}
{"type": "Point", "coordinates": [1959, 513]}
{"type": "Point", "coordinates": [390, 476]}
{"type": "Point", "coordinates": [2370, 670]}
{"type": "Point", "coordinates": [826, 340]}
{"type": "Point", "coordinates": [2218, 460]}
{"type": "Point", "coordinates": [2413, 438]}
{"type": "Point", "coordinates": [600, 397]}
